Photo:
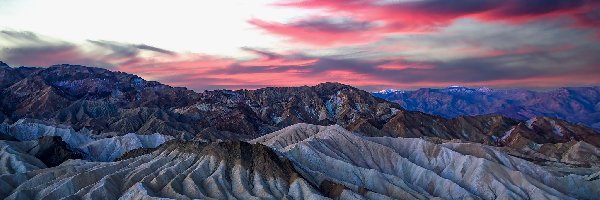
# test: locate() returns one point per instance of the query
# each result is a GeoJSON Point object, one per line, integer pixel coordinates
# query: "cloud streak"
{"type": "Point", "coordinates": [323, 31]}
{"type": "Point", "coordinates": [409, 17]}
{"type": "Point", "coordinates": [536, 65]}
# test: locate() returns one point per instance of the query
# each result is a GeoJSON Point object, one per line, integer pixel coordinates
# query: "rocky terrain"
{"type": "Point", "coordinates": [306, 161]}
{"type": "Point", "coordinates": [75, 132]}
{"type": "Point", "coordinates": [414, 168]}
{"type": "Point", "coordinates": [106, 102]}
{"type": "Point", "coordinates": [573, 104]}
{"type": "Point", "coordinates": [92, 147]}
{"type": "Point", "coordinates": [18, 157]}
{"type": "Point", "coordinates": [226, 170]}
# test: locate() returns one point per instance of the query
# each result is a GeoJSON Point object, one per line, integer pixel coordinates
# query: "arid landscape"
{"type": "Point", "coordinates": [300, 99]}
{"type": "Point", "coordinates": [82, 132]}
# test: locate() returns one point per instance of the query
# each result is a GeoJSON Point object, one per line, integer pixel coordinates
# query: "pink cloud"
{"type": "Point", "coordinates": [530, 66]}
{"type": "Point", "coordinates": [413, 17]}
{"type": "Point", "coordinates": [320, 32]}
{"type": "Point", "coordinates": [441, 12]}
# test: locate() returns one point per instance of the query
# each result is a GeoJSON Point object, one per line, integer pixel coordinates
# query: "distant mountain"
{"type": "Point", "coordinates": [574, 104]}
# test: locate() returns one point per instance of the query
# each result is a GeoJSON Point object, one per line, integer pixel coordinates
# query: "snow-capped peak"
{"type": "Point", "coordinates": [389, 91]}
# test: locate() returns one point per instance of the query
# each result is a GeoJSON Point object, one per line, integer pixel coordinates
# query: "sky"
{"type": "Point", "coordinates": [370, 44]}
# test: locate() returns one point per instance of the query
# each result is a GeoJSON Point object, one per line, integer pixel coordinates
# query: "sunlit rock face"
{"type": "Point", "coordinates": [177, 170]}
{"type": "Point", "coordinates": [414, 168]}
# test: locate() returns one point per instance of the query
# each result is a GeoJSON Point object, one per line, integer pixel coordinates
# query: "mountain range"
{"type": "Point", "coordinates": [115, 135]}
{"type": "Point", "coordinates": [573, 104]}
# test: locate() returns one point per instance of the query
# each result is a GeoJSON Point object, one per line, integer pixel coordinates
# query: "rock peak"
{"type": "Point", "coordinates": [332, 86]}
{"type": "Point", "coordinates": [68, 66]}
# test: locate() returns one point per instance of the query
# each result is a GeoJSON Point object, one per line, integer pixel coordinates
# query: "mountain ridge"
{"type": "Point", "coordinates": [114, 103]}
{"type": "Point", "coordinates": [573, 104]}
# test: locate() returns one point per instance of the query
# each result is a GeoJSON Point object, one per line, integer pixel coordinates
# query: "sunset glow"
{"type": "Point", "coordinates": [372, 44]}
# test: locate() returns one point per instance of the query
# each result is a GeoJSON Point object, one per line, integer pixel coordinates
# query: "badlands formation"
{"type": "Point", "coordinates": [415, 168]}
{"type": "Point", "coordinates": [76, 132]}
{"type": "Point", "coordinates": [92, 147]}
{"type": "Point", "coordinates": [306, 161]}
{"type": "Point", "coordinates": [226, 170]}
